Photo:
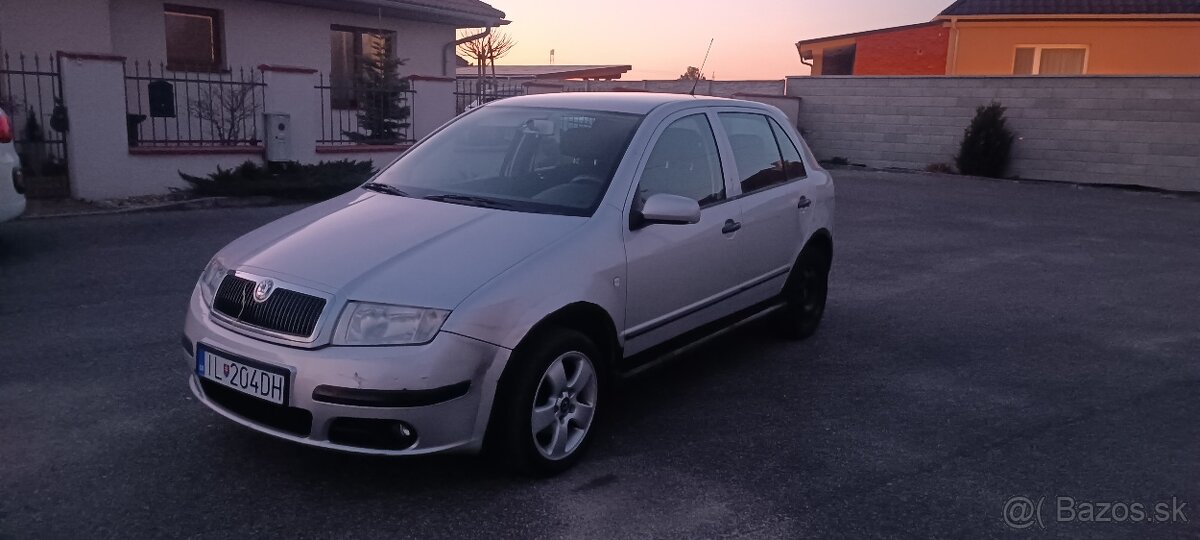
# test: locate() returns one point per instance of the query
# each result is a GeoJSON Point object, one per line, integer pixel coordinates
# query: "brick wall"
{"type": "Point", "coordinates": [1108, 130]}
{"type": "Point", "coordinates": [914, 51]}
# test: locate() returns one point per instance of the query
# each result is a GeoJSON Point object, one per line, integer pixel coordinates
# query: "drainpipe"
{"type": "Point", "coordinates": [454, 45]}
{"type": "Point", "coordinates": [954, 47]}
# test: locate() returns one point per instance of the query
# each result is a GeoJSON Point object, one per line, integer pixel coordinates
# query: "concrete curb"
{"type": "Point", "coordinates": [193, 204]}
{"type": "Point", "coordinates": [1130, 188]}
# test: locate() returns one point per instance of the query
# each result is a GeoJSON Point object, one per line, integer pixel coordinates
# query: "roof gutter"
{"type": "Point", "coordinates": [447, 13]}
{"type": "Point", "coordinates": [454, 45]}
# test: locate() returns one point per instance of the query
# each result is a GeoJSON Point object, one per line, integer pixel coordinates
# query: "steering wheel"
{"type": "Point", "coordinates": [586, 179]}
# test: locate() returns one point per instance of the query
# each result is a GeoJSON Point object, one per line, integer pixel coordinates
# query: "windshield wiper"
{"type": "Point", "coordinates": [469, 200]}
{"type": "Point", "coordinates": [384, 188]}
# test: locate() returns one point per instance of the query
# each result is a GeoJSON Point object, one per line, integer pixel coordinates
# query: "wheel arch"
{"type": "Point", "coordinates": [821, 240]}
{"type": "Point", "coordinates": [587, 318]}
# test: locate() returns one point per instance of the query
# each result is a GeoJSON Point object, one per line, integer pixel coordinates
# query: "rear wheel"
{"type": "Point", "coordinates": [804, 295]}
{"type": "Point", "coordinates": [547, 407]}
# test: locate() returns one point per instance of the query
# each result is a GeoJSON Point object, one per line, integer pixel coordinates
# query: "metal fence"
{"type": "Point", "coordinates": [31, 92]}
{"type": "Point", "coordinates": [352, 114]}
{"type": "Point", "coordinates": [166, 108]}
{"type": "Point", "coordinates": [475, 92]}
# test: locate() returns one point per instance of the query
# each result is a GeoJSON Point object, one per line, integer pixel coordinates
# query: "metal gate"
{"type": "Point", "coordinates": [31, 93]}
{"type": "Point", "coordinates": [471, 93]}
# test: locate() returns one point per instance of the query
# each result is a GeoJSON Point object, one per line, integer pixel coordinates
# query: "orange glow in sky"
{"type": "Point", "coordinates": [755, 39]}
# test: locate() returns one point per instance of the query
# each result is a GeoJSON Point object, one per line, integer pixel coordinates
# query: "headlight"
{"type": "Point", "coordinates": [364, 323]}
{"type": "Point", "coordinates": [211, 279]}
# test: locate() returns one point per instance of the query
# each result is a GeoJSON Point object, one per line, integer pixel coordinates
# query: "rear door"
{"type": "Point", "coordinates": [678, 275]}
{"type": "Point", "coordinates": [770, 175]}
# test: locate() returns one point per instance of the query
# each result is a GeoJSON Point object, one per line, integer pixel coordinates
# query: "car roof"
{"type": "Point", "coordinates": [620, 102]}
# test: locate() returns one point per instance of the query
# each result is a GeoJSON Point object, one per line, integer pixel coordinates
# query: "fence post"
{"type": "Point", "coordinates": [292, 90]}
{"type": "Point", "coordinates": [434, 103]}
{"type": "Point", "coordinates": [94, 94]}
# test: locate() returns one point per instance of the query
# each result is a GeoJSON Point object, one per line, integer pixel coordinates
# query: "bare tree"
{"type": "Point", "coordinates": [227, 109]}
{"type": "Point", "coordinates": [486, 50]}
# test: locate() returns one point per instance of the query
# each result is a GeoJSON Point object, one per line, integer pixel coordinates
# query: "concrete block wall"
{"type": "Point", "coordinates": [704, 88]}
{"type": "Point", "coordinates": [1104, 130]}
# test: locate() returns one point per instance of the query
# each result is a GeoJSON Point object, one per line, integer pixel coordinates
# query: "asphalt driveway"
{"type": "Point", "coordinates": [984, 340]}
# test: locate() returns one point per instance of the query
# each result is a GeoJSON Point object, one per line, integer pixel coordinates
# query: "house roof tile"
{"type": "Point", "coordinates": [1071, 7]}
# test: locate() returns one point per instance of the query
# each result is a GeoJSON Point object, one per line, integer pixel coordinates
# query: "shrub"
{"type": "Point", "coordinates": [940, 168]}
{"type": "Point", "coordinates": [987, 143]}
{"type": "Point", "coordinates": [837, 161]}
{"type": "Point", "coordinates": [288, 181]}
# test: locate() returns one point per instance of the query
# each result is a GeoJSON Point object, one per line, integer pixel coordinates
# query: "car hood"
{"type": "Point", "coordinates": [396, 250]}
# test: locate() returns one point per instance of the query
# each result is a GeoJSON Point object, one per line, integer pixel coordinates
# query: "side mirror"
{"type": "Point", "coordinates": [669, 210]}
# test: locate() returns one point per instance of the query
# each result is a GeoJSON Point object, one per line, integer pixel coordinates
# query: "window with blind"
{"type": "Point", "coordinates": [193, 39]}
{"type": "Point", "coordinates": [1050, 60]}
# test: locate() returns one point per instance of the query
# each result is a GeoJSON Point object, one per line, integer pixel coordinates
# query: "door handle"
{"type": "Point", "coordinates": [731, 227]}
{"type": "Point", "coordinates": [805, 202]}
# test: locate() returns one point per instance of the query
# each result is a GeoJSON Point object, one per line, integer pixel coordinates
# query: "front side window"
{"type": "Point", "coordinates": [1050, 60]}
{"type": "Point", "coordinates": [755, 151]}
{"type": "Point", "coordinates": [193, 39]}
{"type": "Point", "coordinates": [542, 160]}
{"type": "Point", "coordinates": [351, 48]}
{"type": "Point", "coordinates": [685, 162]}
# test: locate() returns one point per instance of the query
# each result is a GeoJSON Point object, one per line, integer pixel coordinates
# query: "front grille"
{"type": "Point", "coordinates": [287, 312]}
{"type": "Point", "coordinates": [287, 419]}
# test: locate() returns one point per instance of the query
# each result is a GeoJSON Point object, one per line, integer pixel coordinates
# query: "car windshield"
{"type": "Point", "coordinates": [544, 160]}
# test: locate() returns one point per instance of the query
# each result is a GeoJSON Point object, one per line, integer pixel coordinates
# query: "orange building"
{"type": "Point", "coordinates": [1024, 37]}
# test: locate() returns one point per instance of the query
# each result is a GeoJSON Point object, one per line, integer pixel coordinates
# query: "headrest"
{"type": "Point", "coordinates": [589, 143]}
{"type": "Point", "coordinates": [677, 145]}
{"type": "Point", "coordinates": [754, 150]}
{"type": "Point", "coordinates": [747, 141]}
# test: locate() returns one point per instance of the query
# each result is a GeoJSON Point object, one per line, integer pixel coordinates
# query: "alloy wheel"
{"type": "Point", "coordinates": [564, 405]}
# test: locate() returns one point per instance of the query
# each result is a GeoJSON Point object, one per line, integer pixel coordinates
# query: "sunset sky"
{"type": "Point", "coordinates": [755, 39]}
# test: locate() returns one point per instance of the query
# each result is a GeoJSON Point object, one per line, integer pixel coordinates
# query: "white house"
{"type": "Point", "coordinates": [152, 88]}
{"type": "Point", "coordinates": [315, 34]}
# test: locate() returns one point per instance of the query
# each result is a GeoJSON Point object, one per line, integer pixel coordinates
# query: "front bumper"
{"type": "Point", "coordinates": [456, 424]}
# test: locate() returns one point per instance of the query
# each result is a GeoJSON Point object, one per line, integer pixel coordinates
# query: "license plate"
{"type": "Point", "coordinates": [265, 382]}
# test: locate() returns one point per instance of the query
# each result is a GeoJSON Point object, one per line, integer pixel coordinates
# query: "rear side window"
{"type": "Point", "coordinates": [793, 166]}
{"type": "Point", "coordinates": [755, 151]}
{"type": "Point", "coordinates": [685, 162]}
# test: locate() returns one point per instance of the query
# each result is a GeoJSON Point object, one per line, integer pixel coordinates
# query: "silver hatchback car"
{"type": "Point", "coordinates": [486, 289]}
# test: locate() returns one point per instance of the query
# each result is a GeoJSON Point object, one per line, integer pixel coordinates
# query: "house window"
{"type": "Point", "coordinates": [350, 46]}
{"type": "Point", "coordinates": [839, 61]}
{"type": "Point", "coordinates": [1050, 60]}
{"type": "Point", "coordinates": [193, 39]}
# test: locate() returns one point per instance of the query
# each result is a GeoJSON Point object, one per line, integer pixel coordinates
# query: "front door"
{"type": "Point", "coordinates": [678, 274]}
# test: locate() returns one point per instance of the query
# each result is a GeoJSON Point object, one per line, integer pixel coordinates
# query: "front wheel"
{"type": "Point", "coordinates": [547, 407]}
{"type": "Point", "coordinates": [804, 295]}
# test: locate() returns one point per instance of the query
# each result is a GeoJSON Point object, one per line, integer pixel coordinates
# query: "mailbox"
{"type": "Point", "coordinates": [161, 95]}
{"type": "Point", "coordinates": [278, 136]}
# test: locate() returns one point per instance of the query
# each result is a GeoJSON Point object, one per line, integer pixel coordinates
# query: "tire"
{"type": "Point", "coordinates": [804, 295]}
{"type": "Point", "coordinates": [555, 379]}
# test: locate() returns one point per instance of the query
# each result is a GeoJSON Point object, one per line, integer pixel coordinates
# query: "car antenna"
{"type": "Point", "coordinates": [702, 64]}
